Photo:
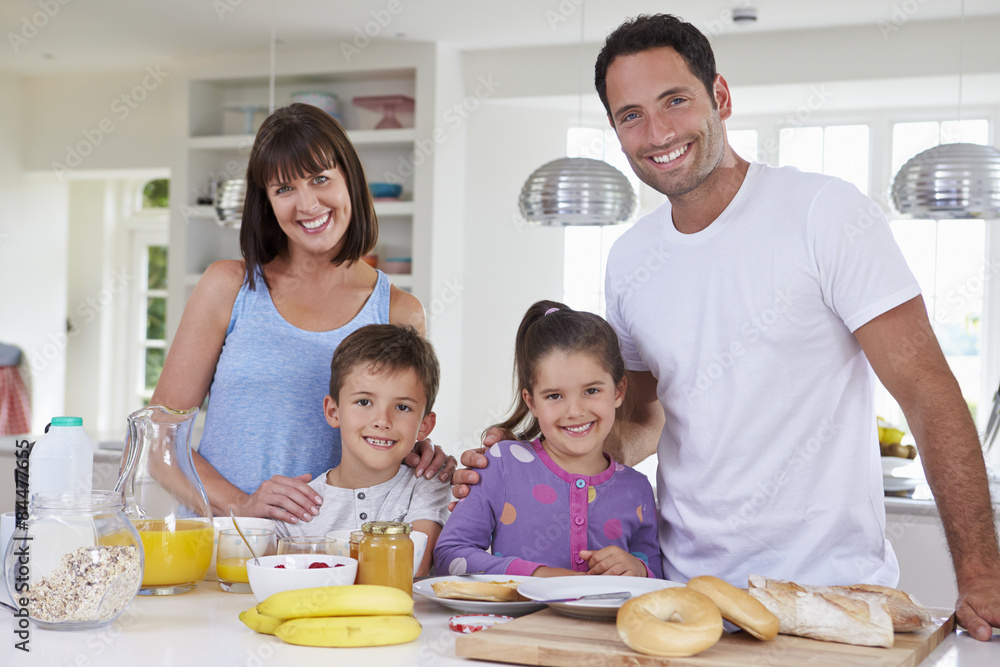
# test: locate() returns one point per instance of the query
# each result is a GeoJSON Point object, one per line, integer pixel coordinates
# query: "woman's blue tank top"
{"type": "Point", "coordinates": [265, 409]}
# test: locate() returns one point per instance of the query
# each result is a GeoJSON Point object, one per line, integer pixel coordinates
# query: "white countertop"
{"type": "Point", "coordinates": [202, 628]}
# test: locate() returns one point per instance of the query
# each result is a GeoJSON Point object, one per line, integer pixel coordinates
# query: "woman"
{"type": "Point", "coordinates": [258, 334]}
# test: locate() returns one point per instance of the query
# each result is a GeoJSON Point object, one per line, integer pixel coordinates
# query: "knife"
{"type": "Point", "coordinates": [620, 595]}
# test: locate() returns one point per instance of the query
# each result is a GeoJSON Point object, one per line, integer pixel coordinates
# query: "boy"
{"type": "Point", "coordinates": [383, 381]}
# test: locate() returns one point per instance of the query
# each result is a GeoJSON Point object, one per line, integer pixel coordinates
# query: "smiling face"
{"type": "Point", "coordinates": [574, 400]}
{"type": "Point", "coordinates": [669, 128]}
{"type": "Point", "coordinates": [313, 211]}
{"type": "Point", "coordinates": [380, 415]}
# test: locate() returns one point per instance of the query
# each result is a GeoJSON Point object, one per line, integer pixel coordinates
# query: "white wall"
{"type": "Point", "coordinates": [105, 120]}
{"type": "Point", "coordinates": [508, 265]}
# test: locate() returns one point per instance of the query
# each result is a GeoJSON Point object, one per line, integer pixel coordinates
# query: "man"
{"type": "Point", "coordinates": [748, 309]}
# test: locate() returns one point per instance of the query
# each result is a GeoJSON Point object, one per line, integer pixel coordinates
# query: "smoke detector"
{"type": "Point", "coordinates": [744, 15]}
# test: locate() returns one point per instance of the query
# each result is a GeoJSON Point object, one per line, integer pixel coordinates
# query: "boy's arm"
{"type": "Point", "coordinates": [432, 529]}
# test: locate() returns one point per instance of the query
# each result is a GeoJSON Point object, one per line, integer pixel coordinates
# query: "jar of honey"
{"type": "Point", "coordinates": [385, 556]}
{"type": "Point", "coordinates": [355, 542]}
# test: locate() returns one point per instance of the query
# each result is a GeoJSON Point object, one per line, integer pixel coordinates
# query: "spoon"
{"type": "Point", "coordinates": [245, 540]}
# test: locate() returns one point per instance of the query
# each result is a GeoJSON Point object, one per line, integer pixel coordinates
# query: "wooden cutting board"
{"type": "Point", "coordinates": [549, 638]}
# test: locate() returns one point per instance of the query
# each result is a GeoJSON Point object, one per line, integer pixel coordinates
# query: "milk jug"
{"type": "Point", "coordinates": [62, 460]}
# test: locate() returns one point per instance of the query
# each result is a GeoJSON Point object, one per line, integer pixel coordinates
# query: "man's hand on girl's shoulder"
{"type": "Point", "coordinates": [428, 459]}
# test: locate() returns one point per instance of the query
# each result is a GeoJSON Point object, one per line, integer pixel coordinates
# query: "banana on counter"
{"type": "Point", "coordinates": [338, 616]}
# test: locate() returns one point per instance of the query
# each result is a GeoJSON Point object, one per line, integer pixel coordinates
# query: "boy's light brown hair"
{"type": "Point", "coordinates": [386, 348]}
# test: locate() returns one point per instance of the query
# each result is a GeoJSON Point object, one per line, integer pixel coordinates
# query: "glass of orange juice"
{"type": "Point", "coordinates": [232, 557]}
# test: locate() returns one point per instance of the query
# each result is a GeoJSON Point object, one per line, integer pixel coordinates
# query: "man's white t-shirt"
{"type": "Point", "coordinates": [768, 462]}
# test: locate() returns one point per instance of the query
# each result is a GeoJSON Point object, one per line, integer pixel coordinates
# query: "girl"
{"type": "Point", "coordinates": [552, 502]}
{"type": "Point", "coordinates": [258, 333]}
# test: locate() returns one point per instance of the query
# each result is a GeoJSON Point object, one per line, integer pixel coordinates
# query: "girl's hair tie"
{"type": "Point", "coordinates": [551, 310]}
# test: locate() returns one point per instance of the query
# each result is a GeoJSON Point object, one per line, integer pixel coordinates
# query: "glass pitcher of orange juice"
{"type": "Point", "coordinates": [165, 499]}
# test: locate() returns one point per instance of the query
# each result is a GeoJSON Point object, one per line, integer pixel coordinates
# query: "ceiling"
{"type": "Point", "coordinates": [58, 36]}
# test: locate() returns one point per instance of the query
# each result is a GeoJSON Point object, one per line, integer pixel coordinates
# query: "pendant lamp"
{"type": "Point", "coordinates": [577, 191]}
{"type": "Point", "coordinates": [950, 181]}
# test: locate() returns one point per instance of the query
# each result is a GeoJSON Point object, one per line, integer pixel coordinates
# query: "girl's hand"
{"type": "Point", "coordinates": [288, 499]}
{"type": "Point", "coordinates": [614, 561]}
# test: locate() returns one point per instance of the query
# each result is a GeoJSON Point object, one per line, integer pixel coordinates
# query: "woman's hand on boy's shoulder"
{"type": "Point", "coordinates": [429, 459]}
{"type": "Point", "coordinates": [288, 499]}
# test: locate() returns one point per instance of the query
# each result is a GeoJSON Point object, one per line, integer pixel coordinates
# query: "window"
{"type": "Point", "coordinates": [949, 260]}
{"type": "Point", "coordinates": [148, 228]}
{"type": "Point", "coordinates": [586, 248]}
{"type": "Point", "coordinates": [154, 295]}
{"type": "Point", "coordinates": [835, 150]}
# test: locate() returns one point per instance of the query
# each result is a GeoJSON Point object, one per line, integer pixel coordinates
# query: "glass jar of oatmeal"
{"type": "Point", "coordinates": [385, 556]}
{"type": "Point", "coordinates": [76, 562]}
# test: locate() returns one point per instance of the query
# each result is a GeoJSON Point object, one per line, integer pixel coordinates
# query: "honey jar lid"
{"type": "Point", "coordinates": [386, 528]}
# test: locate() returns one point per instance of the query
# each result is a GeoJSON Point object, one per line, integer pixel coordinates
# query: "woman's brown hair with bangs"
{"type": "Point", "coordinates": [295, 141]}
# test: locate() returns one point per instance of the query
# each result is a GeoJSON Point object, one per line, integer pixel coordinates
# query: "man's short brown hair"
{"type": "Point", "coordinates": [386, 348]}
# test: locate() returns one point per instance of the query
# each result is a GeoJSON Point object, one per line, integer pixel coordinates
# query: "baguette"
{"type": "Point", "coordinates": [485, 591]}
{"type": "Point", "coordinates": [828, 615]}
{"type": "Point", "coordinates": [907, 614]}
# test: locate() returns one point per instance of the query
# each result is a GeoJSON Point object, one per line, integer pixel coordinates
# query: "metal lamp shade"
{"type": "Point", "coordinates": [577, 191]}
{"type": "Point", "coordinates": [950, 181]}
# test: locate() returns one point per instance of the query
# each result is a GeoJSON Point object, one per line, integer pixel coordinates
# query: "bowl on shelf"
{"type": "Point", "coordinates": [385, 190]}
{"type": "Point", "coordinates": [396, 265]}
{"type": "Point", "coordinates": [328, 102]}
{"type": "Point", "coordinates": [291, 572]}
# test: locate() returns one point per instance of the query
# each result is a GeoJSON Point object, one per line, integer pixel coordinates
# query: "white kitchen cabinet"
{"type": "Point", "coordinates": [917, 536]}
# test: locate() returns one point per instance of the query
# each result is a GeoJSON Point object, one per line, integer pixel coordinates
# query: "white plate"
{"type": "Point", "coordinates": [896, 466]}
{"type": "Point", "coordinates": [896, 484]}
{"type": "Point", "coordinates": [568, 587]}
{"type": "Point", "coordinates": [425, 588]}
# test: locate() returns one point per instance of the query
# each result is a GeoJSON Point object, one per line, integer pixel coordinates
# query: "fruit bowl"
{"type": "Point", "coordinates": [294, 573]}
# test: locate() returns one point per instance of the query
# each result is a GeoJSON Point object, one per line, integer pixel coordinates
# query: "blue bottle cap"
{"type": "Point", "coordinates": [67, 421]}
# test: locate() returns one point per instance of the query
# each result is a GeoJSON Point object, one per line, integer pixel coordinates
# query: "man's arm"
{"type": "Point", "coordinates": [633, 440]}
{"type": "Point", "coordinates": [902, 348]}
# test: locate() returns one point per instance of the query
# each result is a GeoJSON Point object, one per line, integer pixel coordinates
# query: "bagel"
{"type": "Point", "coordinates": [738, 606]}
{"type": "Point", "coordinates": [672, 622]}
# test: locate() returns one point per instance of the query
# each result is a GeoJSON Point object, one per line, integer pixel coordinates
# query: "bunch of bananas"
{"type": "Point", "coordinates": [342, 616]}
